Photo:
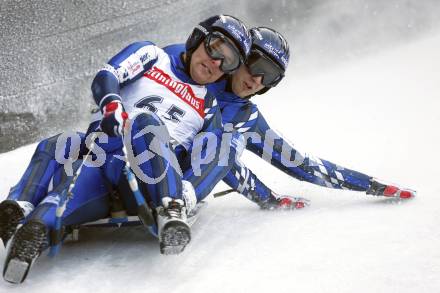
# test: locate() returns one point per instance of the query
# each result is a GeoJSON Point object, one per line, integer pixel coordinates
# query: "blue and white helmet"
{"type": "Point", "coordinates": [274, 46]}
{"type": "Point", "coordinates": [230, 26]}
{"type": "Point", "coordinates": [272, 43]}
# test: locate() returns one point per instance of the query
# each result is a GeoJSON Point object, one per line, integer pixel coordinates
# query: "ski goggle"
{"type": "Point", "coordinates": [260, 65]}
{"type": "Point", "coordinates": [221, 48]}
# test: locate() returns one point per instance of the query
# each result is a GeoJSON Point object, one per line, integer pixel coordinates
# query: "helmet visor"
{"type": "Point", "coordinates": [260, 65]}
{"type": "Point", "coordinates": [221, 48]}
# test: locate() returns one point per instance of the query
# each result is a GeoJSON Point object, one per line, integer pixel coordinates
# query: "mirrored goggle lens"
{"type": "Point", "coordinates": [259, 65]}
{"type": "Point", "coordinates": [220, 48]}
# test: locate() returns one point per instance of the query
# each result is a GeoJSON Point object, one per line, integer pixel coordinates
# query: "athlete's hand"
{"type": "Point", "coordinates": [381, 188]}
{"type": "Point", "coordinates": [284, 202]}
{"type": "Point", "coordinates": [114, 119]}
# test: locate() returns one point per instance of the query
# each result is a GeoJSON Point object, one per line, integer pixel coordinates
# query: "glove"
{"type": "Point", "coordinates": [380, 188]}
{"type": "Point", "coordinates": [284, 202]}
{"type": "Point", "coordinates": [114, 119]}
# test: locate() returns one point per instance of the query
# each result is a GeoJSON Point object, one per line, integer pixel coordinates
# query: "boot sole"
{"type": "Point", "coordinates": [16, 271]}
{"type": "Point", "coordinates": [10, 216]}
{"type": "Point", "coordinates": [174, 239]}
{"type": "Point", "coordinates": [26, 246]}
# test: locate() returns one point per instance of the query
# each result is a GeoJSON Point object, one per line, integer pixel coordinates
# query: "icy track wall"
{"type": "Point", "coordinates": [50, 50]}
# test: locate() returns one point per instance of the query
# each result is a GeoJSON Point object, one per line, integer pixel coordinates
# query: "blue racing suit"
{"type": "Point", "coordinates": [123, 76]}
{"type": "Point", "coordinates": [263, 141]}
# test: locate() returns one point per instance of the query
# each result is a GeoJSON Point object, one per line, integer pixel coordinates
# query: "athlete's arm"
{"type": "Point", "coordinates": [125, 67]}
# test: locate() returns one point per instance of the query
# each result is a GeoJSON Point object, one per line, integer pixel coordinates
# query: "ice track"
{"type": "Point", "coordinates": [378, 115]}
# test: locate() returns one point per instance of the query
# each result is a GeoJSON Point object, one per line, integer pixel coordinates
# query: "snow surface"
{"type": "Point", "coordinates": [378, 115]}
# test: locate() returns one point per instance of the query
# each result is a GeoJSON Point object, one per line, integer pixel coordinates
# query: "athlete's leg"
{"type": "Point", "coordinates": [89, 202]}
{"type": "Point", "coordinates": [35, 182]}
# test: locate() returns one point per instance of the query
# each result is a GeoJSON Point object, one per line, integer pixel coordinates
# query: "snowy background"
{"type": "Point", "coordinates": [50, 50]}
{"type": "Point", "coordinates": [376, 111]}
